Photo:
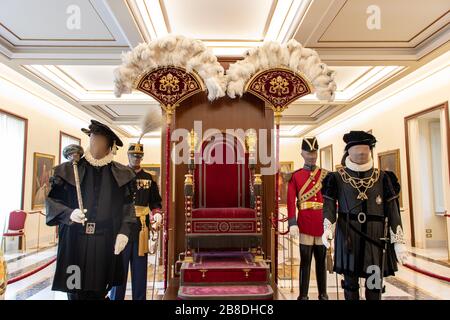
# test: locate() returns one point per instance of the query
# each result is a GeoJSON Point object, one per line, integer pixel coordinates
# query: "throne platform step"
{"type": "Point", "coordinates": [226, 292]}
{"type": "Point", "coordinates": [228, 268]}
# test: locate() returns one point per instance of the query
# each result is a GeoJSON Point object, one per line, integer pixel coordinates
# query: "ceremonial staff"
{"type": "Point", "coordinates": [383, 257]}
{"type": "Point", "coordinates": [74, 152]}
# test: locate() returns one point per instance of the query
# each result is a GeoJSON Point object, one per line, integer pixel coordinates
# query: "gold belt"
{"type": "Point", "coordinates": [311, 205]}
{"type": "Point", "coordinates": [142, 211]}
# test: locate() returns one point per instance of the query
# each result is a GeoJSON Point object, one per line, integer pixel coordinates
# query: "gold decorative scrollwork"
{"type": "Point", "coordinates": [169, 83]}
{"type": "Point", "coordinates": [279, 86]}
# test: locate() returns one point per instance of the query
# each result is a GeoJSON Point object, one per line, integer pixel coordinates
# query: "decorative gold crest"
{"type": "Point", "coordinates": [279, 86]}
{"type": "Point", "coordinates": [169, 83]}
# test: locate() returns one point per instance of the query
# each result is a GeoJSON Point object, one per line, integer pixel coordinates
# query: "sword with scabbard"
{"type": "Point", "coordinates": [156, 239]}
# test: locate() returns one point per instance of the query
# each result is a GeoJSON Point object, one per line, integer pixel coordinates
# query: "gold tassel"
{"type": "Point", "coordinates": [143, 238]}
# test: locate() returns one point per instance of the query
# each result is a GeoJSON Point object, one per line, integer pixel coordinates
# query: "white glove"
{"type": "Point", "coordinates": [293, 231]}
{"type": "Point", "coordinates": [78, 216]}
{"type": "Point", "coordinates": [121, 242]}
{"type": "Point", "coordinates": [401, 252]}
{"type": "Point", "coordinates": [158, 218]}
{"type": "Point", "coordinates": [327, 233]}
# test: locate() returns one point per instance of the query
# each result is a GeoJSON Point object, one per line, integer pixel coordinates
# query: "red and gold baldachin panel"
{"type": "Point", "coordinates": [279, 87]}
{"type": "Point", "coordinates": [169, 85]}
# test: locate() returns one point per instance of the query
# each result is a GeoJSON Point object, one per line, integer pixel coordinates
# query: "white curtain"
{"type": "Point", "coordinates": [12, 141]}
{"type": "Point", "coordinates": [65, 141]}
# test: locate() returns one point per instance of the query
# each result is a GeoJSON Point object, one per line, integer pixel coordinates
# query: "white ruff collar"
{"type": "Point", "coordinates": [358, 167]}
{"type": "Point", "coordinates": [98, 162]}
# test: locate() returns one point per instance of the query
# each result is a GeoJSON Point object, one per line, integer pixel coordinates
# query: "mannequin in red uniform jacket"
{"type": "Point", "coordinates": [305, 196]}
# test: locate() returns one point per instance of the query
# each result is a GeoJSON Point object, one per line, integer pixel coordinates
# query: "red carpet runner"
{"type": "Point", "coordinates": [225, 275]}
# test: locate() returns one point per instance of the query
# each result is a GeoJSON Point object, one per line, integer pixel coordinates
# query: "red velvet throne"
{"type": "Point", "coordinates": [223, 227]}
{"type": "Point", "coordinates": [223, 197]}
{"type": "Point", "coordinates": [220, 224]}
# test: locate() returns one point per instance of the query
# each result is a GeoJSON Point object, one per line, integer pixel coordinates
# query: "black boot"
{"type": "Point", "coordinates": [305, 270]}
{"type": "Point", "coordinates": [320, 256]}
{"type": "Point", "coordinates": [372, 294]}
{"type": "Point", "coordinates": [351, 294]}
{"type": "Point", "coordinates": [351, 288]}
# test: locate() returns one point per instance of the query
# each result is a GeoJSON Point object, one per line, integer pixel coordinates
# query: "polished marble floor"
{"type": "Point", "coordinates": [406, 285]}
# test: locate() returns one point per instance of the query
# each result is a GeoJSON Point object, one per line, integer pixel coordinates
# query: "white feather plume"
{"type": "Point", "coordinates": [151, 121]}
{"type": "Point", "coordinates": [291, 55]}
{"type": "Point", "coordinates": [171, 50]}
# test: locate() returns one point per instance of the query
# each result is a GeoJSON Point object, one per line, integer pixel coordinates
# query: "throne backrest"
{"type": "Point", "coordinates": [222, 178]}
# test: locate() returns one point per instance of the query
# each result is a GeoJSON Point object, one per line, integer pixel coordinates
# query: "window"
{"type": "Point", "coordinates": [65, 140]}
{"type": "Point", "coordinates": [13, 138]}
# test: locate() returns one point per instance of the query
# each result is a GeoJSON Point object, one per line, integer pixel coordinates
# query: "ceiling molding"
{"type": "Point", "coordinates": [322, 14]}
{"type": "Point", "coordinates": [109, 13]}
{"type": "Point", "coordinates": [363, 69]}
{"type": "Point", "coordinates": [281, 20]}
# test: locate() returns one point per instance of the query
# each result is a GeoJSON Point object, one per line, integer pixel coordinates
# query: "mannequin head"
{"type": "Point", "coordinates": [309, 151]}
{"type": "Point", "coordinates": [135, 160]}
{"type": "Point", "coordinates": [99, 145]}
{"type": "Point", "coordinates": [359, 154]}
{"type": "Point", "coordinates": [310, 157]}
{"type": "Point", "coordinates": [359, 145]}
{"type": "Point", "coordinates": [135, 155]}
{"type": "Point", "coordinates": [102, 140]}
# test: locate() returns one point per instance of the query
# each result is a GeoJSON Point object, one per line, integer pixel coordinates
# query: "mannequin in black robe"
{"type": "Point", "coordinates": [87, 264]}
{"type": "Point", "coordinates": [359, 215]}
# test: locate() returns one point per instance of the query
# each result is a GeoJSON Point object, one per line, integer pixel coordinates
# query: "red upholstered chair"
{"type": "Point", "coordinates": [223, 197]}
{"type": "Point", "coordinates": [16, 227]}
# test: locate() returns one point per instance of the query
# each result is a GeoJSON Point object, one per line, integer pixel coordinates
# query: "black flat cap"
{"type": "Point", "coordinates": [99, 128]}
{"type": "Point", "coordinates": [355, 138]}
{"type": "Point", "coordinates": [310, 144]}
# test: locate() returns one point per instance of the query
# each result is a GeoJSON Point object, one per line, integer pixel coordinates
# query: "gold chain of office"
{"type": "Point", "coordinates": [360, 184]}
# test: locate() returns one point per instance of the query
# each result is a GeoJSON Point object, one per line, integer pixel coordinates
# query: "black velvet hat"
{"type": "Point", "coordinates": [99, 128]}
{"type": "Point", "coordinates": [355, 138]}
{"type": "Point", "coordinates": [310, 144]}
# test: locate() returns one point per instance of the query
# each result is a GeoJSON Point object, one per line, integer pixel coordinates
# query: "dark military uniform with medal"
{"type": "Point", "coordinates": [358, 202]}
{"type": "Point", "coordinates": [147, 199]}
